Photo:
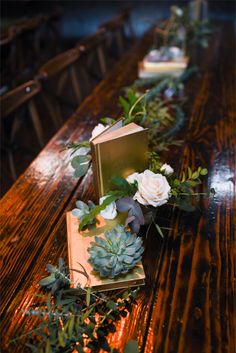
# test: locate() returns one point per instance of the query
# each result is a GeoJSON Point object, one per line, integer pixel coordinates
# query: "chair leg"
{"type": "Point", "coordinates": [15, 127]}
{"type": "Point", "coordinates": [12, 165]}
{"type": "Point", "coordinates": [62, 81]}
{"type": "Point", "coordinates": [102, 61]}
{"type": "Point", "coordinates": [120, 42]}
{"type": "Point", "coordinates": [75, 83]}
{"type": "Point", "coordinates": [36, 122]}
{"type": "Point", "coordinates": [54, 111]}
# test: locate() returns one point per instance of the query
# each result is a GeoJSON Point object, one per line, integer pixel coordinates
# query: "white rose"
{"type": "Point", "coordinates": [110, 211]}
{"type": "Point", "coordinates": [98, 129]}
{"type": "Point", "coordinates": [177, 11]}
{"type": "Point", "coordinates": [167, 169]}
{"type": "Point", "coordinates": [153, 189]}
{"type": "Point", "coordinates": [132, 178]}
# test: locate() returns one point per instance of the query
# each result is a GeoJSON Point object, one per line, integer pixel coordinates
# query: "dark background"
{"type": "Point", "coordinates": [80, 18]}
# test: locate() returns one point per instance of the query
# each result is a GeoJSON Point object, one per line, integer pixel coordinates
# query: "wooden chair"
{"type": "Point", "coordinates": [9, 62]}
{"type": "Point", "coordinates": [10, 104]}
{"type": "Point", "coordinates": [28, 49]}
{"type": "Point", "coordinates": [93, 60]}
{"type": "Point", "coordinates": [125, 13]}
{"type": "Point", "coordinates": [61, 86]}
{"type": "Point", "coordinates": [116, 33]}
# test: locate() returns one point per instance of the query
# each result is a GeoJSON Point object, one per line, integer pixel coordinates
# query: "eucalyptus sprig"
{"type": "Point", "coordinates": [80, 157]}
{"type": "Point", "coordinates": [182, 190]}
{"type": "Point", "coordinates": [162, 117]}
{"type": "Point", "coordinates": [76, 319]}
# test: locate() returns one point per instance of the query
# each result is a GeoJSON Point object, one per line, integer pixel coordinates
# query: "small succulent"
{"type": "Point", "coordinates": [116, 253]}
{"type": "Point", "coordinates": [58, 277]}
{"type": "Point", "coordinates": [83, 209]}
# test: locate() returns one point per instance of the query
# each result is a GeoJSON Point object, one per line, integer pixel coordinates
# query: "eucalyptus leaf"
{"type": "Point", "coordinates": [158, 228]}
{"type": "Point", "coordinates": [112, 305]}
{"type": "Point", "coordinates": [88, 296]}
{"type": "Point", "coordinates": [47, 280]}
{"type": "Point", "coordinates": [131, 347]}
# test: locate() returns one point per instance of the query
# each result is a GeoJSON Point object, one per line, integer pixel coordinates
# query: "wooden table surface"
{"type": "Point", "coordinates": [188, 302]}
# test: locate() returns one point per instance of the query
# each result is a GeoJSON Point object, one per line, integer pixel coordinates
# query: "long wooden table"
{"type": "Point", "coordinates": [188, 302]}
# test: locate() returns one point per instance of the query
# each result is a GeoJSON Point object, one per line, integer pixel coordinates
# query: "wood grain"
{"type": "Point", "coordinates": [188, 302]}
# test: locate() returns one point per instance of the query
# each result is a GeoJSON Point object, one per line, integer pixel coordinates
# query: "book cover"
{"type": "Point", "coordinates": [78, 243]}
{"type": "Point", "coordinates": [121, 153]}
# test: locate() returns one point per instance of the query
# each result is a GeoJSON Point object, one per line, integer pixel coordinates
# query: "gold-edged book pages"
{"type": "Point", "coordinates": [118, 151]}
{"type": "Point", "coordinates": [154, 69]}
{"type": "Point", "coordinates": [78, 243]}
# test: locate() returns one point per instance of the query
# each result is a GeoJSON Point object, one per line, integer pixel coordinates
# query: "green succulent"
{"type": "Point", "coordinates": [83, 210]}
{"type": "Point", "coordinates": [116, 253]}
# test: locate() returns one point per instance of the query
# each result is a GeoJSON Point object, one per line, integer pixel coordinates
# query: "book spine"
{"type": "Point", "coordinates": [95, 166]}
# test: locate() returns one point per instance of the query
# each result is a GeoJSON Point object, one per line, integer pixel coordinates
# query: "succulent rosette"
{"type": "Point", "coordinates": [117, 253]}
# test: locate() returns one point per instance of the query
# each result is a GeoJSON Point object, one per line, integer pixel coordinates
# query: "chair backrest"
{"type": "Point", "coordinates": [9, 62]}
{"type": "Point", "coordinates": [13, 99]}
{"type": "Point", "coordinates": [92, 50]}
{"type": "Point", "coordinates": [125, 13]}
{"type": "Point", "coordinates": [15, 104]}
{"type": "Point", "coordinates": [115, 30]}
{"type": "Point", "coordinates": [58, 64]}
{"type": "Point", "coordinates": [61, 85]}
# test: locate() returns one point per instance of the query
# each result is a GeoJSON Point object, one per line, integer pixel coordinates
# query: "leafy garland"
{"type": "Point", "coordinates": [163, 116]}
{"type": "Point", "coordinates": [73, 319]}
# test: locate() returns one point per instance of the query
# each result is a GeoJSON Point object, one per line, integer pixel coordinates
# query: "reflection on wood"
{"type": "Point", "coordinates": [187, 304]}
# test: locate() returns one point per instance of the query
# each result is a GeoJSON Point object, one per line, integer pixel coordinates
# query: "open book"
{"type": "Point", "coordinates": [78, 243]}
{"type": "Point", "coordinates": [118, 151]}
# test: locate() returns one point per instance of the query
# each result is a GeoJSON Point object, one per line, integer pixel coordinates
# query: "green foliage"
{"type": "Point", "coordinates": [200, 33]}
{"type": "Point", "coordinates": [154, 162]}
{"type": "Point", "coordinates": [91, 216]}
{"type": "Point", "coordinates": [182, 189]}
{"type": "Point", "coordinates": [160, 116]}
{"type": "Point", "coordinates": [74, 146]}
{"type": "Point", "coordinates": [121, 189]}
{"type": "Point", "coordinates": [131, 347]}
{"type": "Point", "coordinates": [80, 163]}
{"type": "Point", "coordinates": [77, 318]}
{"type": "Point", "coordinates": [197, 32]}
{"type": "Point", "coordinates": [170, 82]}
{"type": "Point", "coordinates": [83, 210]}
{"type": "Point", "coordinates": [107, 121]}
{"type": "Point", "coordinates": [134, 108]}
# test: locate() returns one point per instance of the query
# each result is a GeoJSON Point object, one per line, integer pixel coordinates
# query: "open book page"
{"type": "Point", "coordinates": [117, 125]}
{"type": "Point", "coordinates": [123, 131]}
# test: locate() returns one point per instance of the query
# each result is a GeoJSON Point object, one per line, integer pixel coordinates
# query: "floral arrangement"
{"type": "Point", "coordinates": [185, 27]}
{"type": "Point", "coordinates": [138, 196]}
{"type": "Point", "coordinates": [75, 318]}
